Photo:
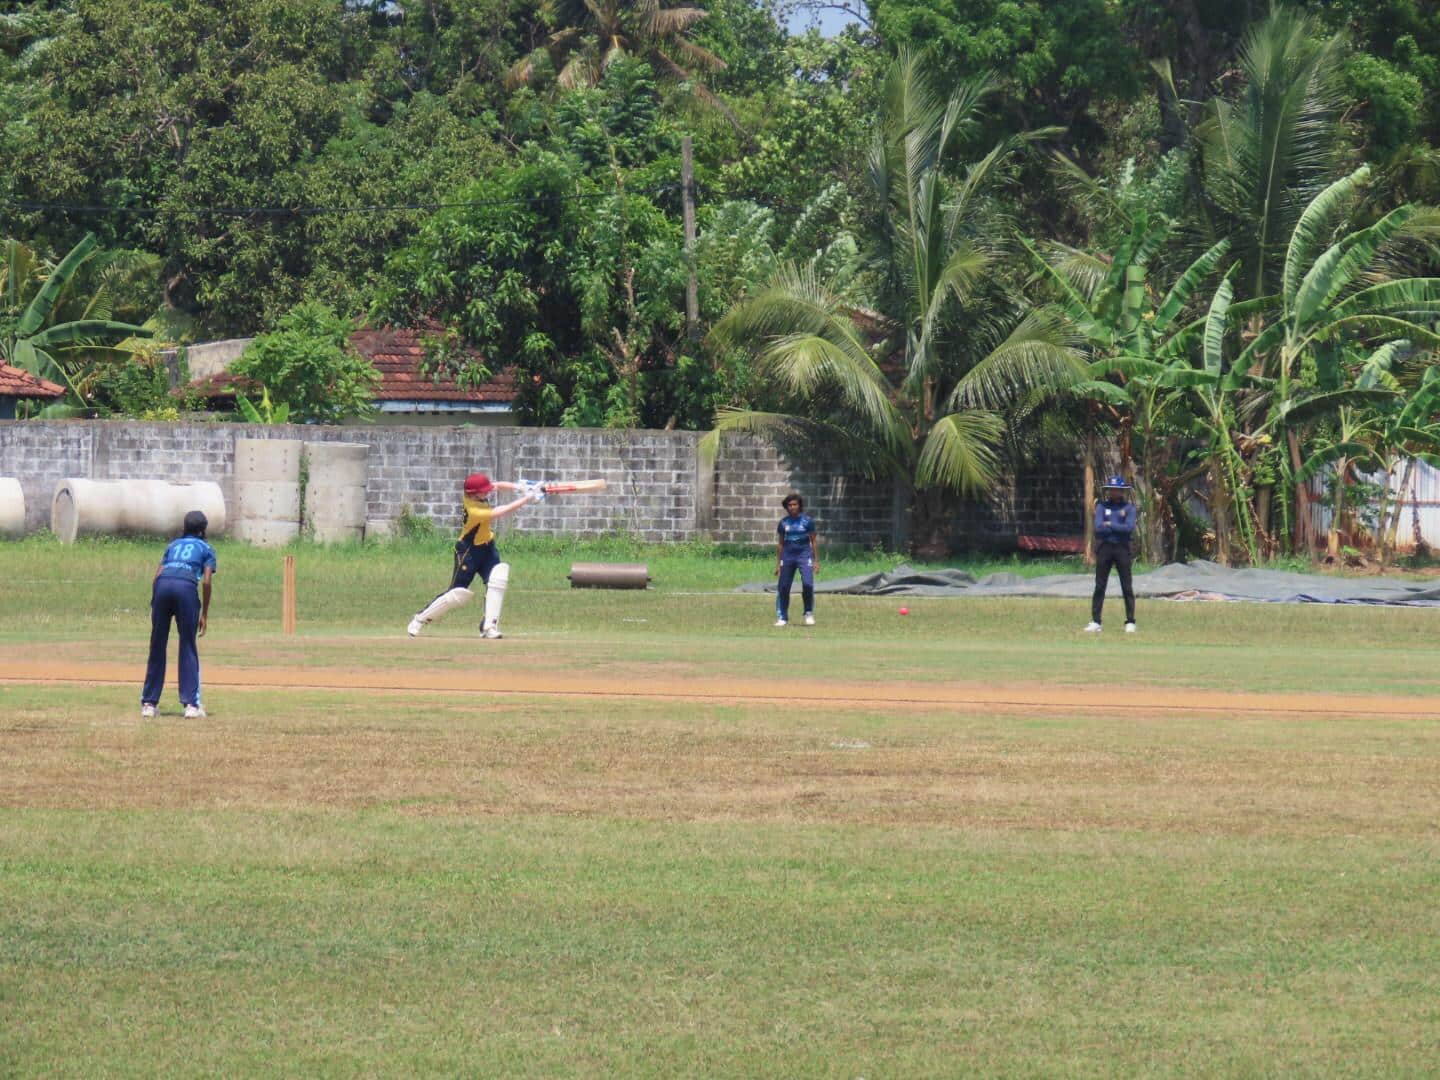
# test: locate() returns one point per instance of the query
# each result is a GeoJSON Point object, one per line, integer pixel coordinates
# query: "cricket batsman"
{"type": "Point", "coordinates": [475, 553]}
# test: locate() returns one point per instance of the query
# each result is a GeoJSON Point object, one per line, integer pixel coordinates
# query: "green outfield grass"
{"type": "Point", "coordinates": [401, 883]}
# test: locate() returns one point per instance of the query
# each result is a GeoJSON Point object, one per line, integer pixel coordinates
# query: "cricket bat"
{"type": "Point", "coordinates": [573, 487]}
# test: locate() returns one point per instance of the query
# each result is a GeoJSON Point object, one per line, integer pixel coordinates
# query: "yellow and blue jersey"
{"type": "Point", "coordinates": [476, 528]}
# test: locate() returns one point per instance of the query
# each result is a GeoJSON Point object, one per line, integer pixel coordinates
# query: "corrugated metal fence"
{"type": "Point", "coordinates": [1420, 500]}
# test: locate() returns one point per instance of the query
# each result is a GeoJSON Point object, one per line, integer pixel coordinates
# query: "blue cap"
{"type": "Point", "coordinates": [1117, 482]}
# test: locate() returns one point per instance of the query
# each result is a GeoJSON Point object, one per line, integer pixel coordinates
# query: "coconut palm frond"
{"type": "Point", "coordinates": [959, 453]}
{"type": "Point", "coordinates": [1038, 354]}
{"type": "Point", "coordinates": [1085, 271]}
{"type": "Point", "coordinates": [661, 23]}
{"type": "Point", "coordinates": [789, 432]}
{"type": "Point", "coordinates": [1075, 306]}
{"type": "Point", "coordinates": [794, 301]}
{"type": "Point", "coordinates": [804, 365]}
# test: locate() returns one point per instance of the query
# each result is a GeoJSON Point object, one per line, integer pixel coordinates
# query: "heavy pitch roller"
{"type": "Point", "coordinates": [599, 575]}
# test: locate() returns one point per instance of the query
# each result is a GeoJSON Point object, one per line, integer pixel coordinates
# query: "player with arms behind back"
{"type": "Point", "coordinates": [475, 553]}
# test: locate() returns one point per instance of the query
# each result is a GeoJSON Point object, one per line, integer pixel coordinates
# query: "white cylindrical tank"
{"type": "Point", "coordinates": [12, 507]}
{"type": "Point", "coordinates": [267, 491]}
{"type": "Point", "coordinates": [132, 507]}
{"type": "Point", "coordinates": [335, 499]}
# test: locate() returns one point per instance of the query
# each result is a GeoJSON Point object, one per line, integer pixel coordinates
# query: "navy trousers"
{"type": "Point", "coordinates": [788, 566]}
{"type": "Point", "coordinates": [1116, 554]}
{"type": "Point", "coordinates": [173, 598]}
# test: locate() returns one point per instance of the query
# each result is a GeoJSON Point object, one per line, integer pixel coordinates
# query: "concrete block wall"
{"type": "Point", "coordinates": [751, 477]}
{"type": "Point", "coordinates": [658, 490]}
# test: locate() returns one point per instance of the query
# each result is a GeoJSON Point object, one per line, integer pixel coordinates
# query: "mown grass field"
{"type": "Point", "coordinates": [357, 881]}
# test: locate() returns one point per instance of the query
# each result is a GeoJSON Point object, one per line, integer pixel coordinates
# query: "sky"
{"type": "Point", "coordinates": [830, 22]}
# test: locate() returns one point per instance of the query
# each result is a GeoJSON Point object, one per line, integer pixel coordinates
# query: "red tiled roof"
{"type": "Point", "coordinates": [19, 383]}
{"type": "Point", "coordinates": [397, 355]}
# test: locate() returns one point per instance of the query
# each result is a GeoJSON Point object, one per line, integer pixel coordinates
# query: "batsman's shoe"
{"type": "Point", "coordinates": [809, 618]}
{"type": "Point", "coordinates": [415, 627]}
{"type": "Point", "coordinates": [194, 712]}
{"type": "Point", "coordinates": [492, 631]}
{"type": "Point", "coordinates": [1129, 628]}
{"type": "Point", "coordinates": [1092, 628]}
{"type": "Point", "coordinates": [781, 622]}
{"type": "Point", "coordinates": [147, 712]}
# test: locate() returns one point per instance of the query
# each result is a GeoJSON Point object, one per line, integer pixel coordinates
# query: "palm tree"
{"type": "Point", "coordinates": [30, 335]}
{"type": "Point", "coordinates": [937, 250]}
{"type": "Point", "coordinates": [587, 36]}
{"type": "Point", "coordinates": [1270, 150]}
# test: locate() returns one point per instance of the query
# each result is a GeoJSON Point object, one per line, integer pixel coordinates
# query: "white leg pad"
{"type": "Point", "coordinates": [445, 602]}
{"type": "Point", "coordinates": [495, 594]}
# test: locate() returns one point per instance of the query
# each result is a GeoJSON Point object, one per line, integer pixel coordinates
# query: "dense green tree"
{"type": "Point", "coordinates": [182, 107]}
{"type": "Point", "coordinates": [308, 365]}
{"type": "Point", "coordinates": [586, 36]}
{"type": "Point", "coordinates": [1059, 58]}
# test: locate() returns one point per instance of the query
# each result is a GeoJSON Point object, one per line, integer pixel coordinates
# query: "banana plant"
{"type": "Point", "coordinates": [1334, 292]}
{"type": "Point", "coordinates": [266, 412]}
{"type": "Point", "coordinates": [53, 351]}
{"type": "Point", "coordinates": [1130, 331]}
{"type": "Point", "coordinates": [1402, 436]}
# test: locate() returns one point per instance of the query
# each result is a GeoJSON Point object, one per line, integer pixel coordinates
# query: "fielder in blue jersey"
{"type": "Point", "coordinates": [796, 548]}
{"type": "Point", "coordinates": [181, 591]}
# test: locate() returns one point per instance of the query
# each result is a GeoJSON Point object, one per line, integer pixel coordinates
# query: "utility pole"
{"type": "Point", "coordinates": [687, 186]}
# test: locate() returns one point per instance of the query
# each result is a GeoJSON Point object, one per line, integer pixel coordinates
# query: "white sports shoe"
{"type": "Point", "coordinates": [809, 619]}
{"type": "Point", "coordinates": [194, 712]}
{"type": "Point", "coordinates": [415, 627]}
{"type": "Point", "coordinates": [1093, 628]}
{"type": "Point", "coordinates": [492, 632]}
{"type": "Point", "coordinates": [781, 622]}
{"type": "Point", "coordinates": [1129, 628]}
{"type": "Point", "coordinates": [147, 712]}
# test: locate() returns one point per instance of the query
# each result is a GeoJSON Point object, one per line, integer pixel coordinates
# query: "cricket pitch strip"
{"type": "Point", "coordinates": [964, 696]}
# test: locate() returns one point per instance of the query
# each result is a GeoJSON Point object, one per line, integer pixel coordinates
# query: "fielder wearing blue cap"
{"type": "Point", "coordinates": [1115, 517]}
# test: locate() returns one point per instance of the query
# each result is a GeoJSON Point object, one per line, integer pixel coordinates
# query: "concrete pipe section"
{"type": "Point", "coordinates": [267, 491]}
{"type": "Point", "coordinates": [132, 507]}
{"type": "Point", "coordinates": [335, 500]}
{"type": "Point", "coordinates": [12, 507]}
{"type": "Point", "coordinates": [599, 575]}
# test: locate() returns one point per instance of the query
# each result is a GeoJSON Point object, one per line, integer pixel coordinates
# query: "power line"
{"type": "Point", "coordinates": [316, 211]}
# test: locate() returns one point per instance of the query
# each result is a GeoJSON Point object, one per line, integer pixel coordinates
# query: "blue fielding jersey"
{"type": "Point", "coordinates": [187, 557]}
{"type": "Point", "coordinates": [795, 534]}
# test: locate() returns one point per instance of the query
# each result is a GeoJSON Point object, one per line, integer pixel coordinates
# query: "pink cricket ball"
{"type": "Point", "coordinates": [904, 611]}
